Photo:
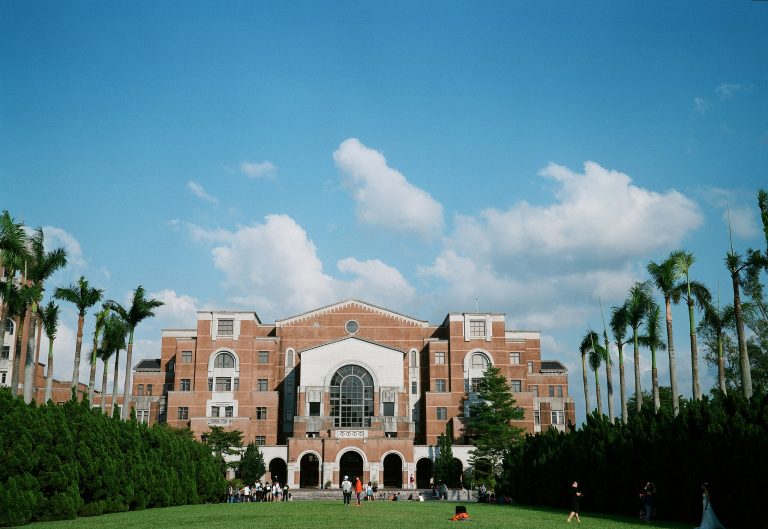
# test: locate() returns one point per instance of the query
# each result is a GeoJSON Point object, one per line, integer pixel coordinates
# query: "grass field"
{"type": "Point", "coordinates": [333, 515]}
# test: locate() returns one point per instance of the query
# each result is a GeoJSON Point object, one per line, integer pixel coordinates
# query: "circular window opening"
{"type": "Point", "coordinates": [352, 326]}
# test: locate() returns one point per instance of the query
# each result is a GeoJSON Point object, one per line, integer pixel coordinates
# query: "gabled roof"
{"type": "Point", "coordinates": [351, 302]}
{"type": "Point", "coordinates": [148, 365]}
{"type": "Point", "coordinates": [371, 342]}
{"type": "Point", "coordinates": [552, 366]}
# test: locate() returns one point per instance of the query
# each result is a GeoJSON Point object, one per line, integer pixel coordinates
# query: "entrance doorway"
{"type": "Point", "coordinates": [310, 471]}
{"type": "Point", "coordinates": [278, 471]}
{"type": "Point", "coordinates": [423, 473]}
{"type": "Point", "coordinates": [350, 464]}
{"type": "Point", "coordinates": [393, 472]}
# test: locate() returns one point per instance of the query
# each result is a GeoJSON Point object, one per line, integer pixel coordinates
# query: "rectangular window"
{"type": "Point", "coordinates": [170, 367]}
{"type": "Point", "coordinates": [414, 387]}
{"type": "Point", "coordinates": [559, 391]}
{"type": "Point", "coordinates": [6, 353]}
{"type": "Point", "coordinates": [530, 367]}
{"type": "Point", "coordinates": [236, 385]}
{"type": "Point", "coordinates": [514, 358]}
{"type": "Point", "coordinates": [558, 417]}
{"type": "Point", "coordinates": [3, 376]}
{"type": "Point", "coordinates": [477, 329]}
{"type": "Point", "coordinates": [140, 390]}
{"type": "Point", "coordinates": [261, 384]}
{"type": "Point", "coordinates": [314, 409]}
{"type": "Point", "coordinates": [389, 409]}
{"type": "Point", "coordinates": [223, 384]}
{"type": "Point", "coordinates": [149, 389]}
{"type": "Point", "coordinates": [226, 327]}
{"type": "Point", "coordinates": [474, 385]}
{"type": "Point", "coordinates": [210, 384]}
{"type": "Point", "coordinates": [551, 391]}
{"type": "Point", "coordinates": [183, 413]}
{"type": "Point", "coordinates": [229, 411]}
{"type": "Point", "coordinates": [442, 413]}
{"type": "Point", "coordinates": [260, 440]}
{"type": "Point", "coordinates": [186, 384]}
{"type": "Point", "coordinates": [440, 385]}
{"type": "Point", "coordinates": [263, 357]}
{"type": "Point", "coordinates": [142, 416]}
{"type": "Point", "coordinates": [261, 413]}
{"type": "Point", "coordinates": [536, 417]}
{"type": "Point", "coordinates": [186, 357]}
{"type": "Point", "coordinates": [214, 411]}
{"type": "Point", "coordinates": [516, 385]}
{"type": "Point", "coordinates": [439, 358]}
{"type": "Point", "coordinates": [536, 391]}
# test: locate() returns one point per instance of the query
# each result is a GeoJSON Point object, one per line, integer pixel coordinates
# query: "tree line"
{"type": "Point", "coordinates": [27, 264]}
{"type": "Point", "coordinates": [63, 461]}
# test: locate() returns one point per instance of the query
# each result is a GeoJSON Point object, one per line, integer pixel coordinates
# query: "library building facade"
{"type": "Point", "coordinates": [347, 389]}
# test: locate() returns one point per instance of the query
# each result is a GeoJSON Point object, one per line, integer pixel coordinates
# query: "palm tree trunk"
{"type": "Point", "coordinates": [92, 379]}
{"type": "Point", "coordinates": [655, 381]}
{"type": "Point", "coordinates": [721, 365]}
{"type": "Point", "coordinates": [746, 374]}
{"type": "Point", "coordinates": [622, 387]}
{"type": "Point", "coordinates": [127, 388]}
{"type": "Point", "coordinates": [609, 378]}
{"type": "Point", "coordinates": [29, 363]}
{"type": "Point", "coordinates": [694, 352]}
{"type": "Point", "coordinates": [672, 364]}
{"type": "Point", "coordinates": [3, 317]}
{"type": "Point", "coordinates": [638, 393]}
{"type": "Point", "coordinates": [114, 379]}
{"type": "Point", "coordinates": [597, 394]}
{"type": "Point", "coordinates": [17, 353]}
{"type": "Point", "coordinates": [586, 385]}
{"type": "Point", "coordinates": [104, 386]}
{"type": "Point", "coordinates": [49, 373]}
{"type": "Point", "coordinates": [78, 347]}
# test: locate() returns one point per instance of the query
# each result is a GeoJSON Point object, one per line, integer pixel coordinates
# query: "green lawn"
{"type": "Point", "coordinates": [332, 515]}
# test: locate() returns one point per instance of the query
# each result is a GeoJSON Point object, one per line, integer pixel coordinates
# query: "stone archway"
{"type": "Point", "coordinates": [393, 472]}
{"type": "Point", "coordinates": [309, 467]}
{"type": "Point", "coordinates": [350, 464]}
{"type": "Point", "coordinates": [424, 473]}
{"type": "Point", "coordinates": [278, 471]}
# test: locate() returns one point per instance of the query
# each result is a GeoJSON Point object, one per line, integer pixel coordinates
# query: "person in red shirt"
{"type": "Point", "coordinates": [358, 490]}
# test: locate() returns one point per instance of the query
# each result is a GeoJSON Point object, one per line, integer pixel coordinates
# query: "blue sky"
{"type": "Point", "coordinates": [529, 157]}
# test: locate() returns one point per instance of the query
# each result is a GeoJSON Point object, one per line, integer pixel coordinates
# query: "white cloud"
{"type": "Point", "coordinates": [743, 218]}
{"type": "Point", "coordinates": [743, 221]}
{"type": "Point", "coordinates": [381, 283]}
{"type": "Point", "coordinates": [59, 238]}
{"type": "Point", "coordinates": [384, 196]}
{"type": "Point", "coordinates": [265, 169]}
{"type": "Point", "coordinates": [178, 310]}
{"type": "Point", "coordinates": [198, 190]}
{"type": "Point", "coordinates": [701, 105]}
{"type": "Point", "coordinates": [729, 90]}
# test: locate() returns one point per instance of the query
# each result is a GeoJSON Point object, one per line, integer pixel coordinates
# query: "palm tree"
{"type": "Point", "coordinates": [637, 306]}
{"type": "Point", "coordinates": [141, 308]}
{"type": "Point", "coordinates": [736, 264]}
{"type": "Point", "coordinates": [652, 340]}
{"type": "Point", "coordinates": [26, 297]}
{"type": "Point", "coordinates": [596, 354]}
{"type": "Point", "coordinates": [13, 252]}
{"type": "Point", "coordinates": [49, 316]}
{"type": "Point", "coordinates": [608, 366]}
{"type": "Point", "coordinates": [692, 292]}
{"type": "Point", "coordinates": [83, 296]}
{"type": "Point", "coordinates": [101, 318]}
{"type": "Point", "coordinates": [619, 323]}
{"type": "Point", "coordinates": [586, 345]}
{"type": "Point", "coordinates": [664, 277]}
{"type": "Point", "coordinates": [717, 321]}
{"type": "Point", "coordinates": [113, 339]}
{"type": "Point", "coordinates": [41, 266]}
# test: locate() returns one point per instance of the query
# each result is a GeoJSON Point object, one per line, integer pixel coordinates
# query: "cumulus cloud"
{"type": "Point", "coordinates": [380, 283]}
{"type": "Point", "coordinates": [742, 218]}
{"type": "Point", "coordinates": [383, 195]}
{"type": "Point", "coordinates": [59, 238]}
{"type": "Point", "coordinates": [178, 310]}
{"type": "Point", "coordinates": [198, 190]}
{"type": "Point", "coordinates": [265, 169]}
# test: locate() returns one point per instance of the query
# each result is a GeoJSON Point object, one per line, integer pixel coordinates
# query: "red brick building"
{"type": "Point", "coordinates": [347, 389]}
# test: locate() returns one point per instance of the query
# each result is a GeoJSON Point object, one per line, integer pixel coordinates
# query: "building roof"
{"type": "Point", "coordinates": [552, 366]}
{"type": "Point", "coordinates": [148, 365]}
{"type": "Point", "coordinates": [358, 303]}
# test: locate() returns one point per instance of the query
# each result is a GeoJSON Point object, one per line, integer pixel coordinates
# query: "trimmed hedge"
{"type": "Point", "coordinates": [723, 441]}
{"type": "Point", "coordinates": [60, 462]}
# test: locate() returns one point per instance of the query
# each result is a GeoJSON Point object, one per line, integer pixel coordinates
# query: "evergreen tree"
{"type": "Point", "coordinates": [223, 443]}
{"type": "Point", "coordinates": [252, 465]}
{"type": "Point", "coordinates": [445, 469]}
{"type": "Point", "coordinates": [489, 426]}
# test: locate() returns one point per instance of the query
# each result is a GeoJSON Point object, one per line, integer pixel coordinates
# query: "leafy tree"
{"type": "Point", "coordinates": [223, 443]}
{"type": "Point", "coordinates": [83, 296]}
{"type": "Point", "coordinates": [489, 424]}
{"type": "Point", "coordinates": [140, 309]}
{"type": "Point", "coordinates": [445, 470]}
{"type": "Point", "coordinates": [50, 320]}
{"type": "Point", "coordinates": [252, 465]}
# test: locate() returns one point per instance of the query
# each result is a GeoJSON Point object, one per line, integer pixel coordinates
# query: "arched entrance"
{"type": "Point", "coordinates": [310, 471]}
{"type": "Point", "coordinates": [457, 476]}
{"type": "Point", "coordinates": [278, 471]}
{"type": "Point", "coordinates": [393, 471]}
{"type": "Point", "coordinates": [423, 473]}
{"type": "Point", "coordinates": [350, 464]}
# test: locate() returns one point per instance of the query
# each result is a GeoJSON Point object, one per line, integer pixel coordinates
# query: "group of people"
{"type": "Point", "coordinates": [347, 487]}
{"type": "Point", "coordinates": [258, 492]}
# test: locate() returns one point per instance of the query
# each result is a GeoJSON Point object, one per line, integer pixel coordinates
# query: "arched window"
{"type": "Point", "coordinates": [289, 358]}
{"type": "Point", "coordinates": [351, 397]}
{"type": "Point", "coordinates": [479, 361]}
{"type": "Point", "coordinates": [9, 326]}
{"type": "Point", "coordinates": [224, 360]}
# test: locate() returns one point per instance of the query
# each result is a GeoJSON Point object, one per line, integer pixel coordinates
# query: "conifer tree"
{"type": "Point", "coordinates": [252, 465]}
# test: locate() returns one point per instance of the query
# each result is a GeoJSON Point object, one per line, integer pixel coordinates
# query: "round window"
{"type": "Point", "coordinates": [352, 326]}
